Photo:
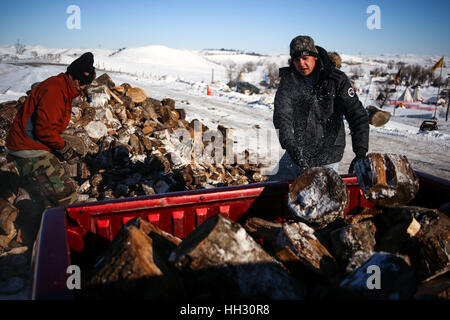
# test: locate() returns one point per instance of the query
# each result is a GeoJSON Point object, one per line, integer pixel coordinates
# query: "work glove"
{"type": "Point", "coordinates": [356, 159]}
{"type": "Point", "coordinates": [68, 154]}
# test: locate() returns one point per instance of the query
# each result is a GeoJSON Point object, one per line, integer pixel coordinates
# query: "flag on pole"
{"type": "Point", "coordinates": [397, 76]}
{"type": "Point", "coordinates": [438, 65]}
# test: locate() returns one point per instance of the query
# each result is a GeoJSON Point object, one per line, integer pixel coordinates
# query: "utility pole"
{"type": "Point", "coordinates": [212, 76]}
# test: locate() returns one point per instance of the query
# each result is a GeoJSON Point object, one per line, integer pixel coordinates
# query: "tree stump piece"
{"type": "Point", "coordinates": [387, 179]}
{"type": "Point", "coordinates": [318, 197]}
{"type": "Point", "coordinates": [377, 117]}
{"type": "Point", "coordinates": [132, 268]}
{"type": "Point", "coordinates": [220, 260]}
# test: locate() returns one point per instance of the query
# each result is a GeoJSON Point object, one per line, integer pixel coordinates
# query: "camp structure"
{"type": "Point", "coordinates": [417, 95]}
{"type": "Point", "coordinates": [406, 96]}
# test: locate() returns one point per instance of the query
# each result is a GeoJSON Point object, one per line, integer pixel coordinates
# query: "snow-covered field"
{"type": "Point", "coordinates": [184, 76]}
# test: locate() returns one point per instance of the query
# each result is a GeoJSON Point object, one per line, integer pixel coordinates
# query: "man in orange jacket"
{"type": "Point", "coordinates": [34, 142]}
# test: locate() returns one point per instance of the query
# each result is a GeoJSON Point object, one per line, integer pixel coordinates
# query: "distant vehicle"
{"type": "Point", "coordinates": [428, 125]}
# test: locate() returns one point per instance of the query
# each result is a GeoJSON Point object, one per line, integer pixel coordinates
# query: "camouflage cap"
{"type": "Point", "coordinates": [303, 46]}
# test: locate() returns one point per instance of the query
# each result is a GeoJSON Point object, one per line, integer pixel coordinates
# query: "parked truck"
{"type": "Point", "coordinates": [76, 234]}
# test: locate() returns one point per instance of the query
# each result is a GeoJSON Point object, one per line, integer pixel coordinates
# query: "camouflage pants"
{"type": "Point", "coordinates": [47, 176]}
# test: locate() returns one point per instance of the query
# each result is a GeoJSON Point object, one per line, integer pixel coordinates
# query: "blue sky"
{"type": "Point", "coordinates": [418, 27]}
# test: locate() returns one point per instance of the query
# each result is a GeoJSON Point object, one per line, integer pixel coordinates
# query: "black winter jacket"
{"type": "Point", "coordinates": [310, 124]}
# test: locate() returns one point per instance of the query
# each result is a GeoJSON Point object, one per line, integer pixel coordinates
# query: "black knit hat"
{"type": "Point", "coordinates": [83, 64]}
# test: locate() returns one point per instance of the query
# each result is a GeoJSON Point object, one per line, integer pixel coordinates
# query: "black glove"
{"type": "Point", "coordinates": [351, 169]}
{"type": "Point", "coordinates": [68, 154]}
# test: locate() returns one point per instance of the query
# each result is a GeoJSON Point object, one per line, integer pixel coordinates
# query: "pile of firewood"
{"type": "Point", "coordinates": [129, 145]}
{"type": "Point", "coordinates": [132, 145]}
{"type": "Point", "coordinates": [390, 251]}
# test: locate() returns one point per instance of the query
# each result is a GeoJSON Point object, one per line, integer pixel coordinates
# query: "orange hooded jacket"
{"type": "Point", "coordinates": [44, 116]}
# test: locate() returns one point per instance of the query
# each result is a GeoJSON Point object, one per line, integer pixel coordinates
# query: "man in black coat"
{"type": "Point", "coordinates": [310, 104]}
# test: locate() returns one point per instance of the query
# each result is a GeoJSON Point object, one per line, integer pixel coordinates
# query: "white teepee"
{"type": "Point", "coordinates": [417, 95]}
{"type": "Point", "coordinates": [406, 96]}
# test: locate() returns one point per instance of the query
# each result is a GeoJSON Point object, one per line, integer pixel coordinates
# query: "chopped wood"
{"type": "Point", "coordinates": [387, 179]}
{"type": "Point", "coordinates": [220, 260]}
{"type": "Point", "coordinates": [378, 117]}
{"type": "Point", "coordinates": [318, 197]}
{"type": "Point", "coordinates": [132, 268]}
{"type": "Point", "coordinates": [296, 245]}
{"type": "Point", "coordinates": [8, 215]}
{"type": "Point", "coordinates": [361, 213]}
{"type": "Point", "coordinates": [349, 240]}
{"type": "Point", "coordinates": [112, 94]}
{"type": "Point", "coordinates": [382, 277]}
{"type": "Point", "coordinates": [137, 95]}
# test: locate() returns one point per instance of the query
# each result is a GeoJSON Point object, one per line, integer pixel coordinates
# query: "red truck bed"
{"type": "Point", "coordinates": [74, 235]}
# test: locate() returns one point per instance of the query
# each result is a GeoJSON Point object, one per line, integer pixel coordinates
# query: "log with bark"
{"type": "Point", "coordinates": [297, 246]}
{"type": "Point", "coordinates": [8, 215]}
{"type": "Point", "coordinates": [378, 117]}
{"type": "Point", "coordinates": [352, 242]}
{"type": "Point", "coordinates": [134, 267]}
{"type": "Point", "coordinates": [220, 260]}
{"type": "Point", "coordinates": [383, 277]}
{"type": "Point", "coordinates": [318, 197]}
{"type": "Point", "coordinates": [387, 179]}
{"type": "Point", "coordinates": [422, 234]}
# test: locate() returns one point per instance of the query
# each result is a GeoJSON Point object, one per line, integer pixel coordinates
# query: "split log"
{"type": "Point", "coordinates": [181, 114]}
{"type": "Point", "coordinates": [8, 215]}
{"type": "Point", "coordinates": [137, 95]}
{"type": "Point", "coordinates": [163, 242]}
{"type": "Point", "coordinates": [148, 190]}
{"type": "Point", "coordinates": [185, 176]}
{"type": "Point", "coordinates": [119, 89]}
{"type": "Point", "coordinates": [349, 240]}
{"type": "Point", "coordinates": [387, 179]}
{"type": "Point", "coordinates": [112, 94]}
{"type": "Point", "coordinates": [318, 197]}
{"type": "Point", "coordinates": [361, 213]}
{"type": "Point", "coordinates": [168, 102]}
{"type": "Point", "coordinates": [383, 277]}
{"type": "Point", "coordinates": [434, 249]}
{"type": "Point", "coordinates": [422, 234]}
{"type": "Point", "coordinates": [160, 164]}
{"type": "Point", "coordinates": [132, 268]}
{"type": "Point", "coordinates": [8, 112]}
{"type": "Point", "coordinates": [105, 80]}
{"type": "Point", "coordinates": [438, 288]}
{"type": "Point", "coordinates": [260, 228]}
{"type": "Point", "coordinates": [147, 143]}
{"type": "Point", "coordinates": [83, 171]}
{"type": "Point", "coordinates": [220, 260]}
{"type": "Point", "coordinates": [135, 144]}
{"type": "Point", "coordinates": [296, 245]}
{"type": "Point", "coordinates": [378, 117]}
{"type": "Point", "coordinates": [76, 143]}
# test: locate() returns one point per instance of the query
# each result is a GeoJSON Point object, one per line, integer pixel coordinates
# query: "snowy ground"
{"type": "Point", "coordinates": [184, 75]}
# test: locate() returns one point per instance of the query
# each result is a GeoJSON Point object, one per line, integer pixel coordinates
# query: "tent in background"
{"type": "Point", "coordinates": [406, 96]}
{"type": "Point", "coordinates": [417, 95]}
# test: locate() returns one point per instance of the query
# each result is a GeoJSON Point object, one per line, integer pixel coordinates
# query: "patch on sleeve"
{"type": "Point", "coordinates": [351, 92]}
